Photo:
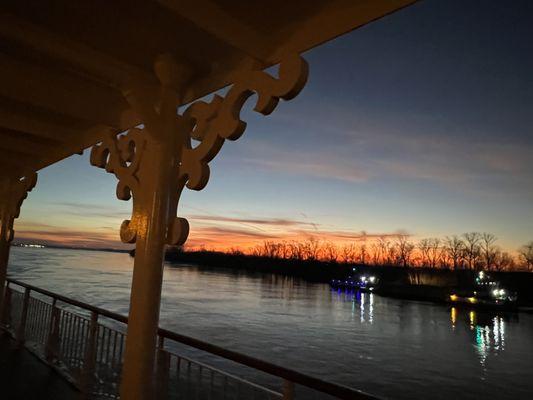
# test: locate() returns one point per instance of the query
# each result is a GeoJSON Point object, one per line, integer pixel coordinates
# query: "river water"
{"type": "Point", "coordinates": [392, 348]}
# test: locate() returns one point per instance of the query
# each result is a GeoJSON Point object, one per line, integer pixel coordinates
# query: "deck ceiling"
{"type": "Point", "coordinates": [63, 63]}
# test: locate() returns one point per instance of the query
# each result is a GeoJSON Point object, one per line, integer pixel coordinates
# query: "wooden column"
{"type": "Point", "coordinates": [4, 255]}
{"type": "Point", "coordinates": [13, 191]}
{"type": "Point", "coordinates": [143, 322]}
{"type": "Point", "coordinates": [154, 163]}
{"type": "Point", "coordinates": [146, 163]}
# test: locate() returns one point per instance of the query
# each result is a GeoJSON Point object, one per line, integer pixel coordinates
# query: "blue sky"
{"type": "Point", "coordinates": [421, 122]}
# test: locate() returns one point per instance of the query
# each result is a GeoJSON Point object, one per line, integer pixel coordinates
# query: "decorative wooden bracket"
{"type": "Point", "coordinates": [12, 194]}
{"type": "Point", "coordinates": [131, 156]}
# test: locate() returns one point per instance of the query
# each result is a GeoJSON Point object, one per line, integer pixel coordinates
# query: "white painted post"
{"type": "Point", "coordinates": [288, 390]}
{"type": "Point", "coordinates": [143, 321]}
{"type": "Point", "coordinates": [52, 343]}
{"type": "Point", "coordinates": [163, 369]}
{"type": "Point", "coordinates": [89, 361]}
{"type": "Point", "coordinates": [154, 163]}
{"type": "Point", "coordinates": [21, 332]}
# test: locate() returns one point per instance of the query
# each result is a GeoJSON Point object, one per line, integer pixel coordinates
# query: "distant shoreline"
{"type": "Point", "coordinates": [404, 282]}
{"type": "Point", "coordinates": [109, 250]}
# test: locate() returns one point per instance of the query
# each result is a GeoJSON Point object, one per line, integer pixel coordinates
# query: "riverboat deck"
{"type": "Point", "coordinates": [23, 376]}
{"type": "Point", "coordinates": [83, 344]}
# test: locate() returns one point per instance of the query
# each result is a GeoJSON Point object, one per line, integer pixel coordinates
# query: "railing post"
{"type": "Point", "coordinates": [5, 309]}
{"type": "Point", "coordinates": [89, 361]}
{"type": "Point", "coordinates": [21, 332]}
{"type": "Point", "coordinates": [163, 369]}
{"type": "Point", "coordinates": [52, 344]}
{"type": "Point", "coordinates": [288, 390]}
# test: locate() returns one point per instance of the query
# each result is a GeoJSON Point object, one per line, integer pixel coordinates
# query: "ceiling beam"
{"type": "Point", "coordinates": [9, 170]}
{"type": "Point", "coordinates": [23, 121]}
{"type": "Point", "coordinates": [17, 159]}
{"type": "Point", "coordinates": [209, 17]}
{"type": "Point", "coordinates": [64, 94]}
{"type": "Point", "coordinates": [113, 72]}
{"type": "Point", "coordinates": [23, 159]}
{"type": "Point", "coordinates": [83, 140]}
{"type": "Point", "coordinates": [18, 142]}
{"type": "Point", "coordinates": [332, 20]}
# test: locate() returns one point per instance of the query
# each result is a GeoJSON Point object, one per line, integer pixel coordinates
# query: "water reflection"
{"type": "Point", "coordinates": [472, 318]}
{"type": "Point", "coordinates": [453, 317]}
{"type": "Point", "coordinates": [361, 301]}
{"type": "Point", "coordinates": [397, 349]}
{"type": "Point", "coordinates": [367, 307]}
{"type": "Point", "coordinates": [487, 332]}
{"type": "Point", "coordinates": [490, 339]}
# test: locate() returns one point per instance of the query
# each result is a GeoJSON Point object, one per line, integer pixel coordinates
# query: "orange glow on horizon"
{"type": "Point", "coordinates": [275, 236]}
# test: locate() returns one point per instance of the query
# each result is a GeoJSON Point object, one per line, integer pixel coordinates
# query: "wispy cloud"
{"type": "Point", "coordinates": [51, 234]}
{"type": "Point", "coordinates": [360, 149]}
{"type": "Point", "coordinates": [313, 165]}
{"type": "Point", "coordinates": [344, 149]}
{"type": "Point", "coordinates": [218, 236]}
{"type": "Point", "coordinates": [346, 235]}
{"type": "Point", "coordinates": [89, 210]}
{"type": "Point", "coordinates": [255, 221]}
{"type": "Point", "coordinates": [215, 231]}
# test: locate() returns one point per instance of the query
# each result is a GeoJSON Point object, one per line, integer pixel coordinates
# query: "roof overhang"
{"type": "Point", "coordinates": [64, 64]}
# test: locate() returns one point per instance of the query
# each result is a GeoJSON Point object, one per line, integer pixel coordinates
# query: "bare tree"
{"type": "Point", "coordinates": [526, 255]}
{"type": "Point", "coordinates": [348, 253]}
{"type": "Point", "coordinates": [431, 252]}
{"type": "Point", "coordinates": [472, 248]}
{"type": "Point", "coordinates": [423, 246]}
{"type": "Point", "coordinates": [392, 254]}
{"type": "Point", "coordinates": [405, 250]}
{"type": "Point", "coordinates": [295, 250]}
{"type": "Point", "coordinates": [384, 246]}
{"type": "Point", "coordinates": [270, 249]}
{"type": "Point", "coordinates": [235, 251]}
{"type": "Point", "coordinates": [376, 253]}
{"type": "Point", "coordinates": [435, 253]}
{"type": "Point", "coordinates": [257, 251]}
{"type": "Point", "coordinates": [455, 249]}
{"type": "Point", "coordinates": [503, 261]}
{"type": "Point", "coordinates": [330, 252]}
{"type": "Point", "coordinates": [363, 253]}
{"type": "Point", "coordinates": [488, 249]}
{"type": "Point", "coordinates": [312, 247]}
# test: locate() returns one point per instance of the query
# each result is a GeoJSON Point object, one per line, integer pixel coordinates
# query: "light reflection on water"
{"type": "Point", "coordinates": [362, 303]}
{"type": "Point", "coordinates": [393, 348]}
{"type": "Point", "coordinates": [488, 332]}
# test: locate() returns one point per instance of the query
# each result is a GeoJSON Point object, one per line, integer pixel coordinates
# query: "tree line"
{"type": "Point", "coordinates": [472, 250]}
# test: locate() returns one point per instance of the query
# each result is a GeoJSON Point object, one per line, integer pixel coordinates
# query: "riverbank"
{"type": "Point", "coordinates": [403, 282]}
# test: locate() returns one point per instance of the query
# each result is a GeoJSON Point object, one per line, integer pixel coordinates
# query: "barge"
{"type": "Point", "coordinates": [485, 293]}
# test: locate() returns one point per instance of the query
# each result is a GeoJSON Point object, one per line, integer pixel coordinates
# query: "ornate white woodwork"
{"type": "Point", "coordinates": [12, 194]}
{"type": "Point", "coordinates": [13, 191]}
{"type": "Point", "coordinates": [207, 123]}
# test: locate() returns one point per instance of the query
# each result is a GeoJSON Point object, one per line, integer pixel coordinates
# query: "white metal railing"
{"type": "Point", "coordinates": [86, 344]}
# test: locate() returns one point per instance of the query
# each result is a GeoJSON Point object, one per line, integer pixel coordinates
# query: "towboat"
{"type": "Point", "coordinates": [486, 293]}
{"type": "Point", "coordinates": [363, 282]}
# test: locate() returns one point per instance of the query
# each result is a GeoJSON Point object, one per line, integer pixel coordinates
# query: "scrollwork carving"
{"type": "Point", "coordinates": [208, 123]}
{"type": "Point", "coordinates": [122, 156]}
{"type": "Point", "coordinates": [219, 120]}
{"type": "Point", "coordinates": [13, 192]}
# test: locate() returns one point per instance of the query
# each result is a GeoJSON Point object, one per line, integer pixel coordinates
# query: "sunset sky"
{"type": "Point", "coordinates": [421, 122]}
